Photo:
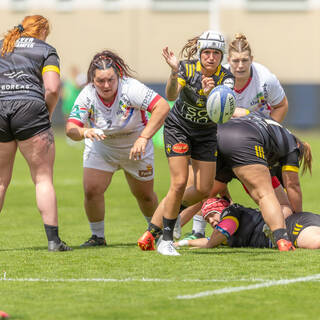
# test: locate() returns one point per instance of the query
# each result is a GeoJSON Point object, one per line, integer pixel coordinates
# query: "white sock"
{"type": "Point", "coordinates": [199, 224]}
{"type": "Point", "coordinates": [97, 228]}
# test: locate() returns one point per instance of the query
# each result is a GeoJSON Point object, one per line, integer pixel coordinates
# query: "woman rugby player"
{"type": "Point", "coordinates": [256, 88]}
{"type": "Point", "coordinates": [238, 226]}
{"type": "Point", "coordinates": [188, 131]}
{"type": "Point", "coordinates": [29, 92]}
{"type": "Point", "coordinates": [114, 105]}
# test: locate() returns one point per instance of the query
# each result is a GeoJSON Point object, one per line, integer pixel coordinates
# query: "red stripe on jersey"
{"type": "Point", "coordinates": [245, 86]}
{"type": "Point", "coordinates": [77, 122]}
{"type": "Point", "coordinates": [144, 117]}
{"type": "Point", "coordinates": [108, 105]}
{"type": "Point", "coordinates": [153, 102]}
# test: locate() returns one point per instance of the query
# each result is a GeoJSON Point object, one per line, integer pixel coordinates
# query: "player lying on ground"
{"type": "Point", "coordinates": [238, 226]}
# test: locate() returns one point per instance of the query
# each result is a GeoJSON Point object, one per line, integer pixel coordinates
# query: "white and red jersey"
{"type": "Point", "coordinates": [125, 115]}
{"type": "Point", "coordinates": [262, 91]}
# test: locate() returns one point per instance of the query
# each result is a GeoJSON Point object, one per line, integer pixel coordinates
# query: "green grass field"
{"type": "Point", "coordinates": [122, 282]}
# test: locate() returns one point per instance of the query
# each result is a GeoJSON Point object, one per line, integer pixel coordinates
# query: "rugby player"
{"type": "Point", "coordinates": [238, 226]}
{"type": "Point", "coordinates": [256, 88]}
{"type": "Point", "coordinates": [188, 131]}
{"type": "Point", "coordinates": [249, 146]}
{"type": "Point", "coordinates": [29, 92]}
{"type": "Point", "coordinates": [110, 113]}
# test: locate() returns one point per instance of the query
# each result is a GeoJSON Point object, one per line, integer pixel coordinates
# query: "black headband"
{"type": "Point", "coordinates": [20, 27]}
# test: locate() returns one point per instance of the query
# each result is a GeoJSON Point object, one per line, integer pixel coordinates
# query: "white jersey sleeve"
{"type": "Point", "coordinates": [80, 112]}
{"type": "Point", "coordinates": [139, 95]}
{"type": "Point", "coordinates": [262, 91]}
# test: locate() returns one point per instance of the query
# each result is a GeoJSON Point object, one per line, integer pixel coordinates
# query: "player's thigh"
{"type": "Point", "coordinates": [39, 152]}
{"type": "Point", "coordinates": [141, 188]}
{"type": "Point", "coordinates": [7, 156]}
{"type": "Point", "coordinates": [256, 178]}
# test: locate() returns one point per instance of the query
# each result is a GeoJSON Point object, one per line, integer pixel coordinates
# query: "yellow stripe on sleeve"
{"type": "Point", "coordinates": [290, 168]}
{"type": "Point", "coordinates": [182, 82]}
{"type": "Point", "coordinates": [51, 68]}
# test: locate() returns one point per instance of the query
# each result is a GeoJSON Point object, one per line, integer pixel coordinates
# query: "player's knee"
{"type": "Point", "coordinates": [178, 187]}
{"type": "Point", "coordinates": [91, 192]}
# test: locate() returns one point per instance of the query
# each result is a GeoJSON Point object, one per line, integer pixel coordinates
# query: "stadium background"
{"type": "Point", "coordinates": [284, 36]}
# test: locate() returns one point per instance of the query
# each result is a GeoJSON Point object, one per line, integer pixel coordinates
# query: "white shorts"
{"type": "Point", "coordinates": [101, 156]}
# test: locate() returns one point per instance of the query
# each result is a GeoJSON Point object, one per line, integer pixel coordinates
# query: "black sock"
{"type": "Point", "coordinates": [154, 230]}
{"type": "Point", "coordinates": [182, 207]}
{"type": "Point", "coordinates": [168, 226]}
{"type": "Point", "coordinates": [52, 233]}
{"type": "Point", "coordinates": [280, 234]}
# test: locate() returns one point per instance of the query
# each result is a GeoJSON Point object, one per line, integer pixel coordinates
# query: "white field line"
{"type": "Point", "coordinates": [5, 278]}
{"type": "Point", "coordinates": [250, 287]}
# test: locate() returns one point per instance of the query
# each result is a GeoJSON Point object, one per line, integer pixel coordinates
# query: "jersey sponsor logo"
{"type": "Point", "coordinates": [14, 87]}
{"type": "Point", "coordinates": [195, 113]}
{"type": "Point", "coordinates": [146, 173]}
{"type": "Point", "coordinates": [147, 99]}
{"type": "Point", "coordinates": [16, 75]}
{"type": "Point", "coordinates": [77, 111]}
{"type": "Point", "coordinates": [180, 147]}
{"type": "Point", "coordinates": [24, 43]}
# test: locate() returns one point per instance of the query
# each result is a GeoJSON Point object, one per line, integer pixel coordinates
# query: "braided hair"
{"type": "Point", "coordinates": [105, 60]}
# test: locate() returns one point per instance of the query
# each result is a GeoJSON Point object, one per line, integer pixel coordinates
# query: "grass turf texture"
{"type": "Point", "coordinates": [123, 291]}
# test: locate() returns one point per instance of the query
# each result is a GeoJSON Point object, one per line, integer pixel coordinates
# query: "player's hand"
{"type": "Point", "coordinates": [138, 150]}
{"type": "Point", "coordinates": [94, 134]}
{"type": "Point", "coordinates": [171, 59]}
{"type": "Point", "coordinates": [240, 112]}
{"type": "Point", "coordinates": [207, 84]}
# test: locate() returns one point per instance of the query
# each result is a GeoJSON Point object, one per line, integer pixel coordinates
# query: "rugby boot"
{"type": "Point", "coordinates": [58, 246]}
{"type": "Point", "coordinates": [94, 241]}
{"type": "Point", "coordinates": [285, 245]}
{"type": "Point", "coordinates": [146, 241]}
{"type": "Point", "coordinates": [166, 248]}
{"type": "Point", "coordinates": [193, 236]}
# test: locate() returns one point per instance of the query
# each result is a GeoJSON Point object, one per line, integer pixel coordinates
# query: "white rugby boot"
{"type": "Point", "coordinates": [167, 249]}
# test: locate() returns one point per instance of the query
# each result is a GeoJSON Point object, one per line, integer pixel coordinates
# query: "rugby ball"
{"type": "Point", "coordinates": [221, 104]}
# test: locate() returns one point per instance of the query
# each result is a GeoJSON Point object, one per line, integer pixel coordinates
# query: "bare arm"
{"type": "Point", "coordinates": [51, 82]}
{"type": "Point", "coordinates": [215, 240]}
{"type": "Point", "coordinates": [292, 185]}
{"type": "Point", "coordinates": [77, 133]}
{"type": "Point", "coordinates": [172, 87]}
{"type": "Point", "coordinates": [158, 115]}
{"type": "Point", "coordinates": [280, 110]}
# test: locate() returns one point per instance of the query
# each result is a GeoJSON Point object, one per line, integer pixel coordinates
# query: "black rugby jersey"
{"type": "Point", "coordinates": [191, 103]}
{"type": "Point", "coordinates": [21, 70]}
{"type": "Point", "coordinates": [279, 142]}
{"type": "Point", "coordinates": [250, 226]}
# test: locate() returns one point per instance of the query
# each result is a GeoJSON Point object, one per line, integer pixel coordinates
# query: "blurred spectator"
{"type": "Point", "coordinates": [71, 88]}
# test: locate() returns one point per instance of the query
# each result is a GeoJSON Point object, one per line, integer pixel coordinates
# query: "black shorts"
{"type": "Point", "coordinates": [22, 119]}
{"type": "Point", "coordinates": [240, 145]}
{"type": "Point", "coordinates": [299, 221]}
{"type": "Point", "coordinates": [181, 139]}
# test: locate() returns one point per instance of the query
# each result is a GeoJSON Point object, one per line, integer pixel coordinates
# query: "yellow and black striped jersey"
{"type": "Point", "coordinates": [191, 103]}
